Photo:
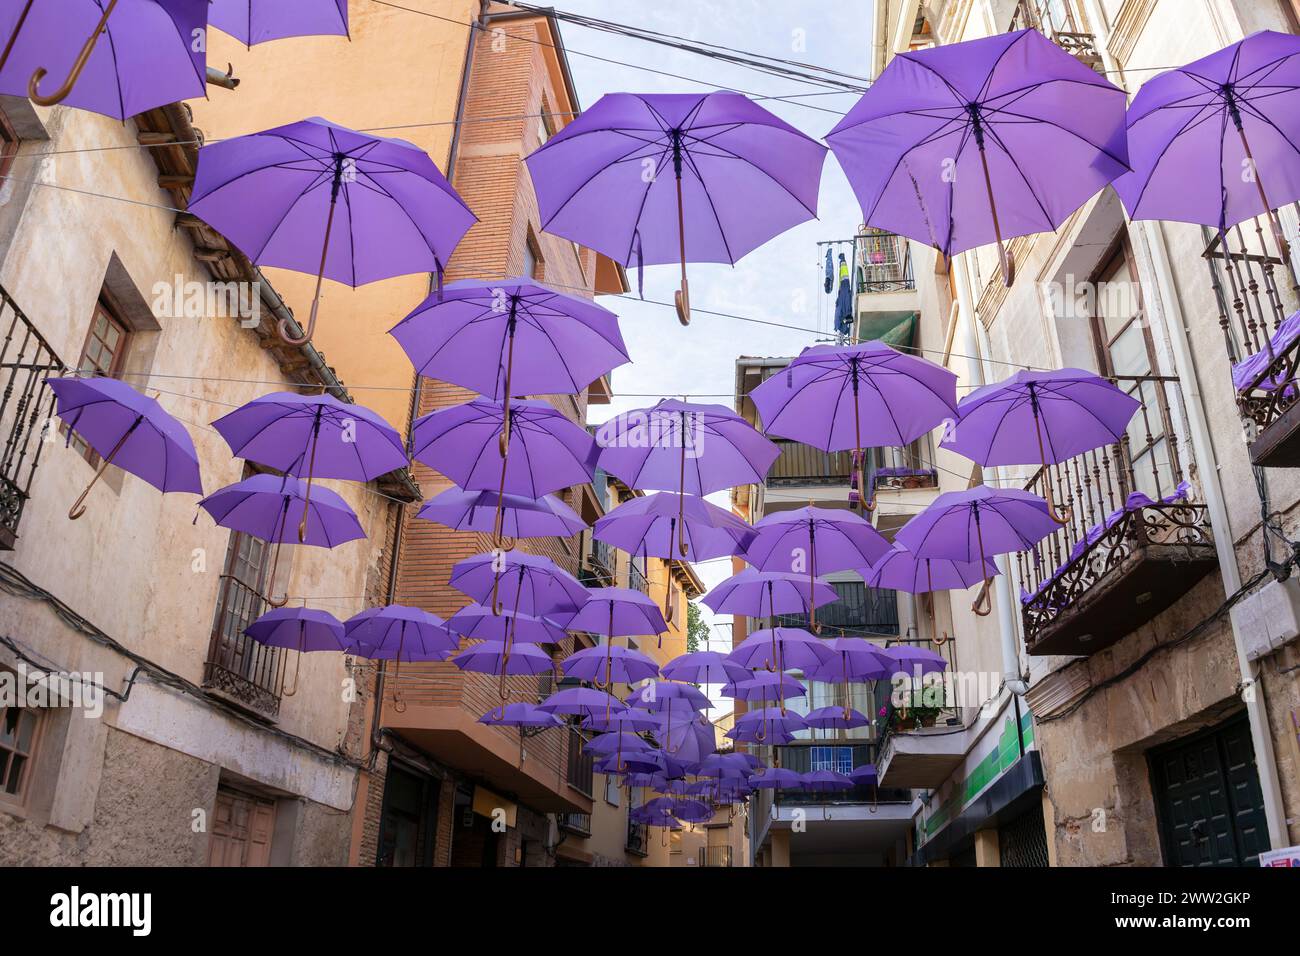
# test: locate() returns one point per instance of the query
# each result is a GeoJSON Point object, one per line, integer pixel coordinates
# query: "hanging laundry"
{"type": "Point", "coordinates": [830, 272]}
{"type": "Point", "coordinates": [844, 300]}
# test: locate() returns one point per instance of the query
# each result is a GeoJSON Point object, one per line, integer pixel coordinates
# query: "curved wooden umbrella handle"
{"type": "Point", "coordinates": [983, 601]}
{"type": "Point", "coordinates": [78, 65]}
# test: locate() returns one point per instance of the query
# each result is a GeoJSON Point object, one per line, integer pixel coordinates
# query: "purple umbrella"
{"type": "Point", "coordinates": [258, 21]}
{"type": "Point", "coordinates": [301, 629]}
{"type": "Point", "coordinates": [616, 612]}
{"type": "Point", "coordinates": [128, 429]}
{"type": "Point", "coordinates": [740, 177]}
{"type": "Point", "coordinates": [548, 451]}
{"type": "Point", "coordinates": [313, 436]}
{"type": "Point", "coordinates": [757, 731]}
{"type": "Point", "coordinates": [275, 193]}
{"type": "Point", "coordinates": [829, 539]}
{"type": "Point", "coordinates": [476, 622]}
{"type": "Point", "coordinates": [272, 507]}
{"type": "Point", "coordinates": [829, 393]}
{"type": "Point", "coordinates": [776, 778]}
{"type": "Point", "coordinates": [520, 715]}
{"type": "Point", "coordinates": [704, 667]}
{"type": "Point", "coordinates": [504, 659]}
{"type": "Point", "coordinates": [864, 775]}
{"type": "Point", "coordinates": [544, 517]}
{"type": "Point", "coordinates": [629, 721]}
{"type": "Point", "coordinates": [916, 660]}
{"type": "Point", "coordinates": [824, 781]}
{"type": "Point", "coordinates": [520, 581]}
{"type": "Point", "coordinates": [969, 143]}
{"type": "Point", "coordinates": [765, 686]}
{"type": "Point", "coordinates": [660, 696]}
{"type": "Point", "coordinates": [149, 58]}
{"type": "Point", "coordinates": [469, 333]}
{"type": "Point", "coordinates": [688, 448]}
{"type": "Point", "coordinates": [646, 761]}
{"type": "Point", "coordinates": [766, 594]}
{"type": "Point", "coordinates": [607, 744]}
{"type": "Point", "coordinates": [853, 660]}
{"type": "Point", "coordinates": [974, 524]}
{"type": "Point", "coordinates": [399, 633]}
{"type": "Point", "coordinates": [901, 570]}
{"type": "Point", "coordinates": [779, 648]}
{"type": "Point", "coordinates": [767, 720]}
{"type": "Point", "coordinates": [836, 718]}
{"type": "Point", "coordinates": [1196, 131]}
{"type": "Point", "coordinates": [607, 665]}
{"type": "Point", "coordinates": [1041, 418]}
{"type": "Point", "coordinates": [583, 702]}
{"type": "Point", "coordinates": [689, 740]}
{"type": "Point", "coordinates": [693, 811]}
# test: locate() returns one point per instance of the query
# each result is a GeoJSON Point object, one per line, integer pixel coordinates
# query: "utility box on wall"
{"type": "Point", "coordinates": [1269, 619]}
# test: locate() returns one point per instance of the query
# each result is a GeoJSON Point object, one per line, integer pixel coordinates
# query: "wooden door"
{"type": "Point", "coordinates": [241, 830]}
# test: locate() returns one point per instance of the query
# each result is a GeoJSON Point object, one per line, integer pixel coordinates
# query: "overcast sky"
{"type": "Point", "coordinates": [780, 282]}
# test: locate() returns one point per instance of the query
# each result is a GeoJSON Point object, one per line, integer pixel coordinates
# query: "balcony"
{"type": "Point", "coordinates": [1136, 540]}
{"type": "Point", "coordinates": [887, 305]}
{"type": "Point", "coordinates": [803, 465]}
{"type": "Point", "coordinates": [598, 562]}
{"type": "Point", "coordinates": [1262, 343]}
{"type": "Point", "coordinates": [636, 578]}
{"type": "Point", "coordinates": [714, 856]}
{"type": "Point", "coordinates": [579, 773]}
{"type": "Point", "coordinates": [579, 824]}
{"type": "Point", "coordinates": [1059, 23]}
{"type": "Point", "coordinates": [26, 404]}
{"type": "Point", "coordinates": [861, 611]}
{"type": "Point", "coordinates": [239, 669]}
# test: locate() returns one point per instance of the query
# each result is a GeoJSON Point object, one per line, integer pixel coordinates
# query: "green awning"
{"type": "Point", "coordinates": [893, 328]}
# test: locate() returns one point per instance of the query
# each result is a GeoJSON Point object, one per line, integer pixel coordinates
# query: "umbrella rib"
{"type": "Point", "coordinates": [1194, 118]}
{"type": "Point", "coordinates": [590, 179]}
{"type": "Point", "coordinates": [722, 233]}
{"type": "Point", "coordinates": [1023, 178]}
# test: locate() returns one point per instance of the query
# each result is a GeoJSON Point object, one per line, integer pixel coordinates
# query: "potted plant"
{"type": "Point", "coordinates": [914, 714]}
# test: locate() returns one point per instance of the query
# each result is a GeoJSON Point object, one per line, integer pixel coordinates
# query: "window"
{"type": "Point", "coordinates": [103, 354]}
{"type": "Point", "coordinates": [236, 663]}
{"type": "Point", "coordinates": [534, 264]}
{"type": "Point", "coordinates": [8, 145]}
{"type": "Point", "coordinates": [838, 759]}
{"type": "Point", "coordinates": [611, 790]}
{"type": "Point", "coordinates": [546, 123]}
{"type": "Point", "coordinates": [19, 728]}
{"type": "Point", "coordinates": [406, 828]}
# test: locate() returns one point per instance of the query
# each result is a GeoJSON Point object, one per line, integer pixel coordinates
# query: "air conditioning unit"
{"type": "Point", "coordinates": [1268, 619]}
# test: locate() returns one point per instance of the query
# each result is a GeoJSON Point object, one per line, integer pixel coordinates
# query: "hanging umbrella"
{"type": "Point", "coordinates": [504, 659]}
{"type": "Point", "coordinates": [544, 517]}
{"type": "Point", "coordinates": [128, 429]}
{"type": "Point", "coordinates": [757, 731]}
{"type": "Point", "coordinates": [399, 633]}
{"type": "Point", "coordinates": [972, 525]}
{"type": "Point", "coordinates": [615, 612]}
{"type": "Point", "coordinates": [549, 451]}
{"type": "Point", "coordinates": [607, 744]}
{"type": "Point", "coordinates": [765, 686]}
{"type": "Point", "coordinates": [646, 761]}
{"type": "Point", "coordinates": [847, 397]}
{"type": "Point", "coordinates": [688, 448]}
{"type": "Point", "coordinates": [583, 702]}
{"type": "Point", "coordinates": [739, 177]}
{"type": "Point", "coordinates": [511, 337]}
{"type": "Point", "coordinates": [313, 436]}
{"type": "Point", "coordinates": [275, 194]}
{"type": "Point", "coordinates": [1041, 418]}
{"type": "Point", "coordinates": [853, 660]}
{"type": "Point", "coordinates": [766, 594]}
{"type": "Point", "coordinates": [693, 811]}
{"type": "Point", "coordinates": [826, 539]}
{"type": "Point", "coordinates": [722, 766]}
{"type": "Point", "coordinates": [901, 570]}
{"type": "Point", "coordinates": [661, 696]}
{"type": "Point", "coordinates": [756, 725]}
{"type": "Point", "coordinates": [916, 661]}
{"type": "Point", "coordinates": [690, 740]}
{"type": "Point", "coordinates": [272, 508]}
{"type": "Point", "coordinates": [607, 665]}
{"type": "Point", "coordinates": [1215, 142]}
{"type": "Point", "coordinates": [677, 707]}
{"type": "Point", "coordinates": [476, 622]}
{"type": "Point", "coordinates": [259, 21]}
{"type": "Point", "coordinates": [704, 667]}
{"type": "Point", "coordinates": [969, 143]}
{"type": "Point", "coordinates": [148, 58]}
{"type": "Point", "coordinates": [824, 781]}
{"type": "Point", "coordinates": [836, 718]}
{"type": "Point", "coordinates": [776, 778]}
{"type": "Point", "coordinates": [300, 629]}
{"type": "Point", "coordinates": [522, 582]}
{"type": "Point", "coordinates": [864, 775]}
{"type": "Point", "coordinates": [648, 525]}
{"type": "Point", "coordinates": [520, 715]}
{"type": "Point", "coordinates": [779, 649]}
{"type": "Point", "coordinates": [629, 721]}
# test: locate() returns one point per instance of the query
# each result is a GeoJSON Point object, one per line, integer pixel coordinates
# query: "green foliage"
{"type": "Point", "coordinates": [697, 632]}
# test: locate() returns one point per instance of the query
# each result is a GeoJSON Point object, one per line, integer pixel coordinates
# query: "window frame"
{"type": "Point", "coordinates": [19, 798]}
{"type": "Point", "coordinates": [10, 142]}
{"type": "Point", "coordinates": [112, 314]}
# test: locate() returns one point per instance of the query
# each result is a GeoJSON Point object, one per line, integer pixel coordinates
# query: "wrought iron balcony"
{"type": "Point", "coordinates": [580, 771]}
{"type": "Point", "coordinates": [240, 669]}
{"type": "Point", "coordinates": [1060, 24]}
{"type": "Point", "coordinates": [577, 823]}
{"type": "Point", "coordinates": [884, 262]}
{"type": "Point", "coordinates": [26, 408]}
{"type": "Point", "coordinates": [1136, 540]}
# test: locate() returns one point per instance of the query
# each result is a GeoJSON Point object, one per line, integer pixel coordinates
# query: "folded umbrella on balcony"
{"type": "Point", "coordinates": [740, 176]}
{"type": "Point", "coordinates": [975, 524]}
{"type": "Point", "coordinates": [277, 195]}
{"type": "Point", "coordinates": [260, 21]}
{"type": "Point", "coordinates": [609, 665]}
{"type": "Point", "coordinates": [519, 581]}
{"type": "Point", "coordinates": [847, 397]}
{"type": "Point", "coordinates": [301, 629]}
{"type": "Point", "coordinates": [510, 337]}
{"type": "Point", "coordinates": [687, 448]}
{"type": "Point", "coordinates": [901, 570]}
{"type": "Point", "coordinates": [272, 508]}
{"type": "Point", "coordinates": [128, 429]}
{"type": "Point", "coordinates": [1217, 141]}
{"type": "Point", "coordinates": [704, 667]}
{"type": "Point", "coordinates": [969, 143]}
{"type": "Point", "coordinates": [313, 436]}
{"type": "Point", "coordinates": [760, 594]}
{"type": "Point", "coordinates": [548, 451]}
{"type": "Point", "coordinates": [544, 517]}
{"type": "Point", "coordinates": [829, 539]}
{"type": "Point", "coordinates": [148, 57]}
{"type": "Point", "coordinates": [779, 649]}
{"type": "Point", "coordinates": [1041, 418]}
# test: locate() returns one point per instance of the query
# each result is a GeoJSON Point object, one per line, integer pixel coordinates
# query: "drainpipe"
{"type": "Point", "coordinates": [1212, 489]}
{"type": "Point", "coordinates": [1012, 677]}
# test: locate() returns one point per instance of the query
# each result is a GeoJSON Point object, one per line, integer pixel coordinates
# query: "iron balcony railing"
{"type": "Point", "coordinates": [860, 611]}
{"type": "Point", "coordinates": [1058, 22]}
{"type": "Point", "coordinates": [636, 579]}
{"type": "Point", "coordinates": [579, 823]}
{"type": "Point", "coordinates": [714, 856]}
{"type": "Point", "coordinates": [580, 772]}
{"type": "Point", "coordinates": [800, 464]}
{"type": "Point", "coordinates": [26, 411]}
{"type": "Point", "coordinates": [239, 667]}
{"type": "Point", "coordinates": [884, 262]}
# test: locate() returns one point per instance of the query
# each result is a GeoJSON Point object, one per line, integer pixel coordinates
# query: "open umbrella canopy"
{"type": "Point", "coordinates": [836, 718]}
{"type": "Point", "coordinates": [818, 540]}
{"type": "Point", "coordinates": [901, 570]}
{"type": "Point", "coordinates": [774, 719]}
{"type": "Point", "coordinates": [776, 778]}
{"type": "Point", "coordinates": [142, 53]}
{"type": "Point", "coordinates": [508, 337]}
{"type": "Point", "coordinates": [853, 660]}
{"type": "Point", "coordinates": [914, 660]}
{"type": "Point", "coordinates": [399, 633]}
{"type": "Point", "coordinates": [970, 143]}
{"type": "Point", "coordinates": [520, 715]}
{"type": "Point", "coordinates": [628, 721]}
{"type": "Point", "coordinates": [313, 435]}
{"type": "Point", "coordinates": [583, 702]}
{"type": "Point", "coordinates": [841, 397]}
{"type": "Point", "coordinates": [658, 524]}
{"type": "Point", "coordinates": [606, 664]}
{"type": "Point", "coordinates": [497, 657]}
{"type": "Point", "coordinates": [780, 648]}
{"type": "Point", "coordinates": [607, 744]}
{"type": "Point", "coordinates": [272, 508]}
{"type": "Point", "coordinates": [298, 629]}
{"type": "Point", "coordinates": [519, 581]}
{"type": "Point", "coordinates": [824, 781]}
{"type": "Point", "coordinates": [668, 697]}
{"type": "Point", "coordinates": [543, 517]}
{"type": "Point", "coordinates": [864, 775]}
{"type": "Point", "coordinates": [704, 667]}
{"type": "Point", "coordinates": [477, 622]}
{"type": "Point", "coordinates": [1193, 132]}
{"type": "Point", "coordinates": [692, 811]}
{"type": "Point", "coordinates": [260, 21]}
{"type": "Point", "coordinates": [546, 450]}
{"type": "Point", "coordinates": [616, 612]}
{"type": "Point", "coordinates": [970, 526]}
{"type": "Point", "coordinates": [684, 447]}
{"type": "Point", "coordinates": [767, 593]}
{"type": "Point", "coordinates": [130, 430]}
{"type": "Point", "coordinates": [766, 685]}
{"type": "Point", "coordinates": [690, 740]}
